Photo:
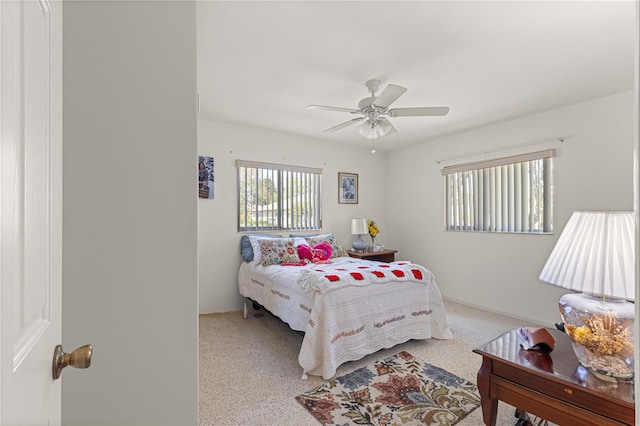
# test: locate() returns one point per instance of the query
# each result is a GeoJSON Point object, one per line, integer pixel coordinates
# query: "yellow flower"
{"type": "Point", "coordinates": [373, 228]}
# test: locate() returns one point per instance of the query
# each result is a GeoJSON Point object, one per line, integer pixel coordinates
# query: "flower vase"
{"type": "Point", "coordinates": [601, 333]}
{"type": "Point", "coordinates": [373, 244]}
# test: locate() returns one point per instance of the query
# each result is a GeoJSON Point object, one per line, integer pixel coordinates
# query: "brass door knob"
{"type": "Point", "coordinates": [80, 358]}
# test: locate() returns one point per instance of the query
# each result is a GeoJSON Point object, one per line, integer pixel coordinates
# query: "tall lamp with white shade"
{"type": "Point", "coordinates": [359, 227]}
{"type": "Point", "coordinates": [595, 255]}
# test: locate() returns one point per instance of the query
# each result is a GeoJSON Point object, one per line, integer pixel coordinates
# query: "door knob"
{"type": "Point", "coordinates": [80, 358]}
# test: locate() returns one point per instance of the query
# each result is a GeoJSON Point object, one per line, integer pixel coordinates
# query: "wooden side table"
{"type": "Point", "coordinates": [553, 386]}
{"type": "Point", "coordinates": [378, 256]}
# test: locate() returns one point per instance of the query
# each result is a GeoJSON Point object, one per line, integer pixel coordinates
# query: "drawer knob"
{"type": "Point", "coordinates": [569, 391]}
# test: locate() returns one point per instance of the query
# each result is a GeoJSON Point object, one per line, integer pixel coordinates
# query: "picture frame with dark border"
{"type": "Point", "coordinates": [347, 188]}
{"type": "Point", "coordinates": [205, 177]}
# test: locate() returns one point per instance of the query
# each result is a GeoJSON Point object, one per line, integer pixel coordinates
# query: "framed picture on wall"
{"type": "Point", "coordinates": [205, 177]}
{"type": "Point", "coordinates": [347, 188]}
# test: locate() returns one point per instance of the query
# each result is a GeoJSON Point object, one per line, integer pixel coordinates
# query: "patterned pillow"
{"type": "Point", "coordinates": [278, 250]}
{"type": "Point", "coordinates": [336, 247]}
{"type": "Point", "coordinates": [247, 249]}
{"type": "Point", "coordinates": [255, 246]}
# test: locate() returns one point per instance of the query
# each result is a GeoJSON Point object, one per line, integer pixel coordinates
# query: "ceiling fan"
{"type": "Point", "coordinates": [375, 109]}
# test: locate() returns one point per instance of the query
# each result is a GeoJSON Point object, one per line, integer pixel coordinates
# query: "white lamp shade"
{"type": "Point", "coordinates": [359, 226]}
{"type": "Point", "coordinates": [374, 129]}
{"type": "Point", "coordinates": [367, 130]}
{"type": "Point", "coordinates": [383, 127]}
{"type": "Point", "coordinates": [595, 254]}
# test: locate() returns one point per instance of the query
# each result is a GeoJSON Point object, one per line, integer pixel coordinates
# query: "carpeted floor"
{"type": "Point", "coordinates": [249, 372]}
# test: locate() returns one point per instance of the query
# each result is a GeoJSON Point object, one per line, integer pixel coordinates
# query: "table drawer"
{"type": "Point", "coordinates": [600, 403]}
{"type": "Point", "coordinates": [547, 407]}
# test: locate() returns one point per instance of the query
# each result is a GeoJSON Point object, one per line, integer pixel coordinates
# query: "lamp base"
{"type": "Point", "coordinates": [601, 333]}
{"type": "Point", "coordinates": [359, 244]}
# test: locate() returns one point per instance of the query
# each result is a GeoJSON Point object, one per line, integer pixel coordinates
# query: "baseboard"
{"type": "Point", "coordinates": [213, 314]}
{"type": "Point", "coordinates": [495, 311]}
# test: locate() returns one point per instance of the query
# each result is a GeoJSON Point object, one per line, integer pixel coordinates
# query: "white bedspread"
{"type": "Point", "coordinates": [349, 308]}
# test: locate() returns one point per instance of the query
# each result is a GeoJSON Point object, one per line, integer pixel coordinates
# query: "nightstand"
{"type": "Point", "coordinates": [378, 256]}
{"type": "Point", "coordinates": [554, 386]}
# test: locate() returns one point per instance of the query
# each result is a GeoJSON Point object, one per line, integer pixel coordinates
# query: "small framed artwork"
{"type": "Point", "coordinates": [205, 177]}
{"type": "Point", "coordinates": [347, 188]}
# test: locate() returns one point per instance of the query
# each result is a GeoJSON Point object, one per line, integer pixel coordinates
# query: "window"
{"type": "Point", "coordinates": [278, 197]}
{"type": "Point", "coordinates": [512, 194]}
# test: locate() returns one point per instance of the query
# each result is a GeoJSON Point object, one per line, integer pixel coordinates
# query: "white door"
{"type": "Point", "coordinates": [31, 209]}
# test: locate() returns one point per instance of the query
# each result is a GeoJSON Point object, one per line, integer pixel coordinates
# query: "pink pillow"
{"type": "Point", "coordinates": [321, 252]}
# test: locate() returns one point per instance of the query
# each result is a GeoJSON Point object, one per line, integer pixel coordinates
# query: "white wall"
{"type": "Point", "coordinates": [130, 212]}
{"type": "Point", "coordinates": [499, 272]}
{"type": "Point", "coordinates": [218, 239]}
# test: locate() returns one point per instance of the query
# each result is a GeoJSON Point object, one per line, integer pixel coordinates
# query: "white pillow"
{"type": "Point", "coordinates": [255, 245]}
{"type": "Point", "coordinates": [297, 241]}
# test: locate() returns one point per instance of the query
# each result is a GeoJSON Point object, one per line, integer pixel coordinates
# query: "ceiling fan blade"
{"type": "Point", "coordinates": [331, 108]}
{"type": "Point", "coordinates": [420, 111]}
{"type": "Point", "coordinates": [343, 125]}
{"type": "Point", "coordinates": [389, 95]}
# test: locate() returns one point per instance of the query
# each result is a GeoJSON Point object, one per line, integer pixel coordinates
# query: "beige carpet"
{"type": "Point", "coordinates": [249, 372]}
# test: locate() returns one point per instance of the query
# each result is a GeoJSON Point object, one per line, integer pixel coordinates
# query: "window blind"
{"type": "Point", "coordinates": [278, 197]}
{"type": "Point", "coordinates": [510, 194]}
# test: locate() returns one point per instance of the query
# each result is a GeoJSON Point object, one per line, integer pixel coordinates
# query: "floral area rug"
{"type": "Point", "coordinates": [399, 390]}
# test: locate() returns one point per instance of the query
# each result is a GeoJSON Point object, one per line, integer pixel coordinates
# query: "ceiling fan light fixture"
{"type": "Point", "coordinates": [368, 130]}
{"type": "Point", "coordinates": [383, 126]}
{"type": "Point", "coordinates": [374, 129]}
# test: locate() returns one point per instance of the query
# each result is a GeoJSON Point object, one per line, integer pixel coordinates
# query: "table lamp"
{"type": "Point", "coordinates": [595, 255]}
{"type": "Point", "coordinates": [359, 227]}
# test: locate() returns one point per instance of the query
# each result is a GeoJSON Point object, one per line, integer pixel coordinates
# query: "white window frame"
{"type": "Point", "coordinates": [510, 194]}
{"type": "Point", "coordinates": [280, 213]}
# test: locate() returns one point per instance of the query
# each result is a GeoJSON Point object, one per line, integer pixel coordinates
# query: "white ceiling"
{"type": "Point", "coordinates": [261, 63]}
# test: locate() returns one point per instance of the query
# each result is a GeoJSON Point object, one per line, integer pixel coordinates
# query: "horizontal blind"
{"type": "Point", "coordinates": [511, 194]}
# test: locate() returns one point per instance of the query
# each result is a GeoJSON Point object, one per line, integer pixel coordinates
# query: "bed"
{"type": "Point", "coordinates": [348, 308]}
